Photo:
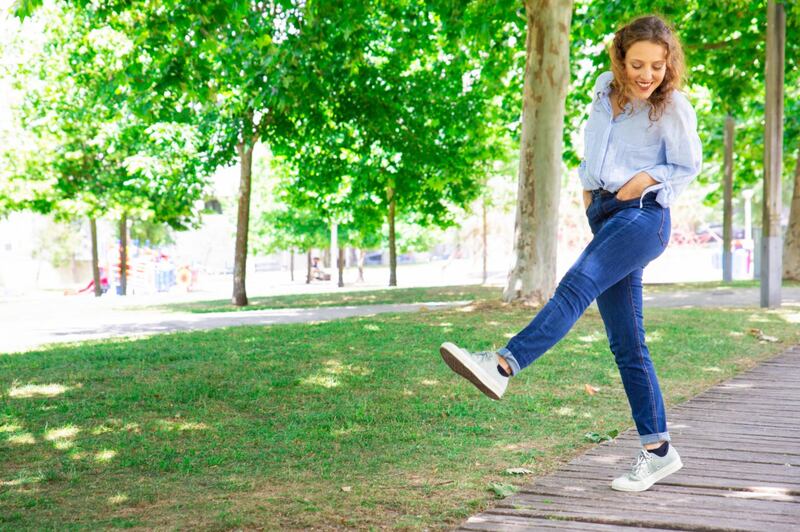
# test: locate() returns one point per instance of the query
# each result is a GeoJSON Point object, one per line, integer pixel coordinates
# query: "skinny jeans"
{"type": "Point", "coordinates": [627, 236]}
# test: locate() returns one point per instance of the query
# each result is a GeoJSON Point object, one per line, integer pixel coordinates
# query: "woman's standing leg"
{"type": "Point", "coordinates": [621, 309]}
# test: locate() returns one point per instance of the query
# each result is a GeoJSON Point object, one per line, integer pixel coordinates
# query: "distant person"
{"type": "Point", "coordinates": [317, 272]}
{"type": "Point", "coordinates": [641, 151]}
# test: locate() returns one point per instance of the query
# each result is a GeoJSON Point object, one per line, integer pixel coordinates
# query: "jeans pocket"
{"type": "Point", "coordinates": [664, 229]}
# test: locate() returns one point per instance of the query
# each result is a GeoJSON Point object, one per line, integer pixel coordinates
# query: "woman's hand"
{"type": "Point", "coordinates": [587, 199]}
{"type": "Point", "coordinates": [635, 186]}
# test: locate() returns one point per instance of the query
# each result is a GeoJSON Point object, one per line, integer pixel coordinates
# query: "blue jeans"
{"type": "Point", "coordinates": [627, 236]}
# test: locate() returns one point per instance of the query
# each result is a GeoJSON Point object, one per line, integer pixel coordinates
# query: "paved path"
{"type": "Point", "coordinates": [27, 326]}
{"type": "Point", "coordinates": [31, 332]}
{"type": "Point", "coordinates": [739, 445]}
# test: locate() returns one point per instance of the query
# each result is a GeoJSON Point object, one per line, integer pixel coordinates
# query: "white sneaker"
{"type": "Point", "coordinates": [478, 368]}
{"type": "Point", "coordinates": [648, 469]}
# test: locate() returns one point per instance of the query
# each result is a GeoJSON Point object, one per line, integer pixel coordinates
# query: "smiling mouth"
{"type": "Point", "coordinates": [644, 86]}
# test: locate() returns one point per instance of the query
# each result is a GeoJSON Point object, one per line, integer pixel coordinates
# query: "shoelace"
{"type": "Point", "coordinates": [642, 461]}
{"type": "Point", "coordinates": [484, 355]}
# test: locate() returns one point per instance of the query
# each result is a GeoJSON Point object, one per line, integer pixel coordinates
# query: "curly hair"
{"type": "Point", "coordinates": [654, 29]}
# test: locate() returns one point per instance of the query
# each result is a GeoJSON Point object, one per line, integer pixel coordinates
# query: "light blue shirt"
{"type": "Point", "coordinates": [616, 149]}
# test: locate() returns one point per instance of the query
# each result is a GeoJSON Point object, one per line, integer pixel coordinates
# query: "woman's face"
{"type": "Point", "coordinates": [645, 66]}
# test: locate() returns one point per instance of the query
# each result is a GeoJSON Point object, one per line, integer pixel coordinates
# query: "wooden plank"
{"type": "Point", "coordinates": [500, 521]}
{"type": "Point", "coordinates": [739, 442]}
{"type": "Point", "coordinates": [712, 475]}
{"type": "Point", "coordinates": [682, 478]}
{"type": "Point", "coordinates": [590, 490]}
{"type": "Point", "coordinates": [719, 465]}
{"type": "Point", "coordinates": [661, 506]}
{"type": "Point", "coordinates": [642, 518]}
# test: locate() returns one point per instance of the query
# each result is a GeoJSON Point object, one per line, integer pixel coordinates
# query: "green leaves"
{"type": "Point", "coordinates": [594, 437]}
{"type": "Point", "coordinates": [502, 490]}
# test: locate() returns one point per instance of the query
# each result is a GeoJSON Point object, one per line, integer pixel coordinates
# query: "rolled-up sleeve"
{"type": "Point", "coordinates": [683, 151]}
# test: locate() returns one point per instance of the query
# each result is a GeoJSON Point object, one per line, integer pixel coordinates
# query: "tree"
{"type": "Point", "coordinates": [401, 117]}
{"type": "Point", "coordinates": [532, 277]}
{"type": "Point", "coordinates": [89, 155]}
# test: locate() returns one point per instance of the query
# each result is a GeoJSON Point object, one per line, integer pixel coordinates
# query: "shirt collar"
{"type": "Point", "coordinates": [603, 86]}
{"type": "Point", "coordinates": [603, 89]}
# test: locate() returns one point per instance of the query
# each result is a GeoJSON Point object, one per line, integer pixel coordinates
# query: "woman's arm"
{"type": "Point", "coordinates": [587, 199]}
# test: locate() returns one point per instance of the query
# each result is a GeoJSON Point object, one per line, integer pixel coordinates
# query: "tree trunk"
{"type": "Point", "coordinates": [308, 272]}
{"type": "Point", "coordinates": [791, 246]}
{"type": "Point", "coordinates": [485, 244]}
{"type": "Point", "coordinates": [291, 264]}
{"type": "Point", "coordinates": [392, 243]}
{"type": "Point", "coordinates": [340, 267]}
{"type": "Point", "coordinates": [98, 289]}
{"type": "Point", "coordinates": [532, 277]}
{"type": "Point", "coordinates": [771, 246]}
{"type": "Point", "coordinates": [362, 255]}
{"type": "Point", "coordinates": [123, 254]}
{"type": "Point", "coordinates": [727, 203]}
{"type": "Point", "coordinates": [245, 150]}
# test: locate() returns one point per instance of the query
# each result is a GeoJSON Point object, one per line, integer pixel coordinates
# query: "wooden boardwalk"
{"type": "Point", "coordinates": [740, 445]}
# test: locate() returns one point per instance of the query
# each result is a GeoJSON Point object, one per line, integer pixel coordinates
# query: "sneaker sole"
{"type": "Point", "coordinates": [462, 364]}
{"type": "Point", "coordinates": [661, 474]}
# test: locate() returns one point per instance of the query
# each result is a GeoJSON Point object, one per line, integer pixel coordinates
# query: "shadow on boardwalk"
{"type": "Point", "coordinates": [739, 445]}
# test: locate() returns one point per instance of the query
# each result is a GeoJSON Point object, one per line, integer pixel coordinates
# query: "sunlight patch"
{"type": "Point", "coordinates": [758, 319]}
{"type": "Point", "coordinates": [371, 327]}
{"type": "Point", "coordinates": [713, 369]}
{"type": "Point", "coordinates": [64, 433]}
{"type": "Point", "coordinates": [589, 338]}
{"type": "Point", "coordinates": [102, 429]}
{"type": "Point", "coordinates": [21, 480]}
{"type": "Point", "coordinates": [655, 336]}
{"type": "Point", "coordinates": [327, 376]}
{"type": "Point", "coordinates": [105, 455]}
{"type": "Point", "coordinates": [736, 334]}
{"type": "Point", "coordinates": [326, 381]}
{"type": "Point", "coordinates": [407, 392]}
{"type": "Point", "coordinates": [445, 324]}
{"type": "Point", "coordinates": [77, 455]}
{"type": "Point", "coordinates": [790, 317]}
{"type": "Point", "coordinates": [764, 492]}
{"type": "Point", "coordinates": [10, 427]}
{"type": "Point", "coordinates": [119, 498]}
{"type": "Point", "coordinates": [166, 424]}
{"type": "Point", "coordinates": [429, 382]}
{"type": "Point", "coordinates": [510, 335]}
{"type": "Point", "coordinates": [736, 385]}
{"type": "Point", "coordinates": [565, 411]}
{"type": "Point", "coordinates": [22, 439]}
{"type": "Point", "coordinates": [344, 431]}
{"type": "Point", "coordinates": [37, 390]}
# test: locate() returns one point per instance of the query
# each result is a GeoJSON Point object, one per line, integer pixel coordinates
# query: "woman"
{"type": "Point", "coordinates": [642, 150]}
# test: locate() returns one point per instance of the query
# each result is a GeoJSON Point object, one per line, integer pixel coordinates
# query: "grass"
{"type": "Point", "coordinates": [408, 295]}
{"type": "Point", "coordinates": [351, 423]}
{"type": "Point", "coordinates": [710, 285]}
{"type": "Point", "coordinates": [337, 299]}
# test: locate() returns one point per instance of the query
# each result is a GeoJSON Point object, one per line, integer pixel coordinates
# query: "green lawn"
{"type": "Point", "coordinates": [408, 295]}
{"type": "Point", "coordinates": [351, 423]}
{"type": "Point", "coordinates": [338, 299]}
